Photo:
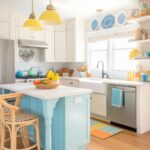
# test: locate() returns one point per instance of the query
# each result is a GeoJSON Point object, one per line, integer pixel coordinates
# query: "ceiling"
{"type": "Point", "coordinates": [69, 8]}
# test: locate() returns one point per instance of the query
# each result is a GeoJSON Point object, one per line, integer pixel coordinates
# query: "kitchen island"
{"type": "Point", "coordinates": [64, 114]}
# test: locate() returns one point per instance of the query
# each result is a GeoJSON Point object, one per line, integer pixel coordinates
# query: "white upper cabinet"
{"type": "Point", "coordinates": [38, 35]}
{"type": "Point", "coordinates": [75, 40]}
{"type": "Point", "coordinates": [60, 46]}
{"type": "Point", "coordinates": [4, 16]}
{"type": "Point", "coordinates": [13, 32]}
{"type": "Point", "coordinates": [60, 43]}
{"type": "Point", "coordinates": [61, 27]}
{"type": "Point", "coordinates": [4, 24]}
{"type": "Point", "coordinates": [71, 47]}
{"type": "Point", "coordinates": [49, 53]}
{"type": "Point", "coordinates": [4, 30]}
{"type": "Point", "coordinates": [22, 33]}
{"type": "Point", "coordinates": [13, 26]}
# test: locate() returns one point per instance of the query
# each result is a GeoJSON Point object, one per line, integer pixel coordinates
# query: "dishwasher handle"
{"type": "Point", "coordinates": [128, 90]}
{"type": "Point", "coordinates": [125, 89]}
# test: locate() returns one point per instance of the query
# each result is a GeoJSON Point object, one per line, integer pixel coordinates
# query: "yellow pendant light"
{"type": "Point", "coordinates": [32, 23]}
{"type": "Point", "coordinates": [50, 16]}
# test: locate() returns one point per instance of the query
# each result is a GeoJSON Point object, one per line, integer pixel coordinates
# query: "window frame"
{"type": "Point", "coordinates": [109, 55]}
{"type": "Point", "coordinates": [89, 52]}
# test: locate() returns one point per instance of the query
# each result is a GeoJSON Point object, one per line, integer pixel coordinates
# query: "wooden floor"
{"type": "Point", "coordinates": [123, 141]}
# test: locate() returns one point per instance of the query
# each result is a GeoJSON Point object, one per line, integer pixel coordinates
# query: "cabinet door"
{"type": "Point", "coordinates": [13, 32]}
{"type": "Point", "coordinates": [61, 27]}
{"type": "Point", "coordinates": [38, 35]}
{"type": "Point", "coordinates": [77, 122]}
{"type": "Point", "coordinates": [23, 33]}
{"type": "Point", "coordinates": [71, 46]}
{"type": "Point", "coordinates": [98, 104]}
{"type": "Point", "coordinates": [60, 46]}
{"type": "Point", "coordinates": [4, 30]}
{"type": "Point", "coordinates": [4, 16]}
{"type": "Point", "coordinates": [49, 53]}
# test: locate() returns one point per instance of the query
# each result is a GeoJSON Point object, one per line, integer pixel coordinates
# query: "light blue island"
{"type": "Point", "coordinates": [64, 114]}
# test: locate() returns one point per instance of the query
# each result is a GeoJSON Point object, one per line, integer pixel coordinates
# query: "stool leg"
{"type": "Point", "coordinates": [2, 135]}
{"type": "Point", "coordinates": [24, 135]}
{"type": "Point", "coordinates": [13, 138]}
{"type": "Point", "coordinates": [36, 125]}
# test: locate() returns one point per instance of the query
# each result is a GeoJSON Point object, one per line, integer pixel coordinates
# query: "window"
{"type": "Point", "coordinates": [97, 51]}
{"type": "Point", "coordinates": [120, 52]}
{"type": "Point", "coordinates": [114, 53]}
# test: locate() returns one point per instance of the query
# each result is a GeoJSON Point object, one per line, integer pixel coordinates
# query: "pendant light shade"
{"type": "Point", "coordinates": [50, 16]}
{"type": "Point", "coordinates": [32, 23]}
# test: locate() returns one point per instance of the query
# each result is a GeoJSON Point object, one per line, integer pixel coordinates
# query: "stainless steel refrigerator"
{"type": "Point", "coordinates": [7, 61]}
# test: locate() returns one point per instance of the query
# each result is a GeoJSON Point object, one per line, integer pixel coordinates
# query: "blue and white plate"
{"type": "Point", "coordinates": [95, 24]}
{"type": "Point", "coordinates": [121, 18]}
{"type": "Point", "coordinates": [108, 22]}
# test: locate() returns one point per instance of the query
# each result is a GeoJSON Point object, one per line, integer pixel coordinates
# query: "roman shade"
{"type": "Point", "coordinates": [116, 32]}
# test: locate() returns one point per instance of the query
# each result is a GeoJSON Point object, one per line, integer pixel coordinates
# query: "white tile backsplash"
{"type": "Point", "coordinates": [41, 65]}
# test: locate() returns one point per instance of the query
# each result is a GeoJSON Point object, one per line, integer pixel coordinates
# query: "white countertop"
{"type": "Point", "coordinates": [30, 90]}
{"type": "Point", "coordinates": [125, 82]}
{"type": "Point", "coordinates": [108, 81]}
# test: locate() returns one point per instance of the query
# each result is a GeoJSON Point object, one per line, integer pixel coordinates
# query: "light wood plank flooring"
{"type": "Point", "coordinates": [126, 140]}
{"type": "Point", "coordinates": [123, 141]}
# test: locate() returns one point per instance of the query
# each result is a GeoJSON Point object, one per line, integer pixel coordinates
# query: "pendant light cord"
{"type": "Point", "coordinates": [50, 6]}
{"type": "Point", "coordinates": [32, 15]}
{"type": "Point", "coordinates": [32, 6]}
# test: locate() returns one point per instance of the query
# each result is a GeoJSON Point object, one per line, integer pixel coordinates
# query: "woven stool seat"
{"type": "Point", "coordinates": [21, 117]}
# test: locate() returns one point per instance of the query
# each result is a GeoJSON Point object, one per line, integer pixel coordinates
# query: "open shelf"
{"type": "Point", "coordinates": [141, 59]}
{"type": "Point", "coordinates": [140, 19]}
{"type": "Point", "coordinates": [140, 41]}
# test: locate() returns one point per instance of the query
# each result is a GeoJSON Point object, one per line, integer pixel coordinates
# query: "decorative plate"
{"type": "Point", "coordinates": [121, 18]}
{"type": "Point", "coordinates": [95, 24]}
{"type": "Point", "coordinates": [108, 22]}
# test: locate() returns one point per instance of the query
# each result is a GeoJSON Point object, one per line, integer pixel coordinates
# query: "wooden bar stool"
{"type": "Point", "coordinates": [14, 120]}
{"type": "Point", "coordinates": [15, 97]}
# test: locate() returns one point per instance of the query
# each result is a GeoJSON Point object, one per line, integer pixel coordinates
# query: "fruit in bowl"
{"type": "Point", "coordinates": [51, 81]}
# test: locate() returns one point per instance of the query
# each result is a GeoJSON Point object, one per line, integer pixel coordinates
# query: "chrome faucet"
{"type": "Point", "coordinates": [103, 73]}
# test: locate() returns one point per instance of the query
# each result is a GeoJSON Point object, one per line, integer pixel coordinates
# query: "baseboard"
{"type": "Point", "coordinates": [143, 128]}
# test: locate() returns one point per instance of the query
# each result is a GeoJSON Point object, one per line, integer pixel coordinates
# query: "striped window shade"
{"type": "Point", "coordinates": [116, 32]}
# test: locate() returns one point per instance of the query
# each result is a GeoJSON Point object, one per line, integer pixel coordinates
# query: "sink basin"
{"type": "Point", "coordinates": [92, 79]}
{"type": "Point", "coordinates": [95, 84]}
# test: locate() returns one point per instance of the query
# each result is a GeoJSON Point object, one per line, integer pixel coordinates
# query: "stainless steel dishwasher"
{"type": "Point", "coordinates": [125, 115]}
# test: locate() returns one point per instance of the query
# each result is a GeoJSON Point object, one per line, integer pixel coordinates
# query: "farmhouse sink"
{"type": "Point", "coordinates": [95, 84]}
{"type": "Point", "coordinates": [92, 79]}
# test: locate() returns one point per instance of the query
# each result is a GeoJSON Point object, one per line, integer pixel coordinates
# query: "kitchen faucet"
{"type": "Point", "coordinates": [103, 73]}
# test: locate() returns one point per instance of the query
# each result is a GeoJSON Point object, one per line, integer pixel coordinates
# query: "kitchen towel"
{"type": "Point", "coordinates": [117, 97]}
